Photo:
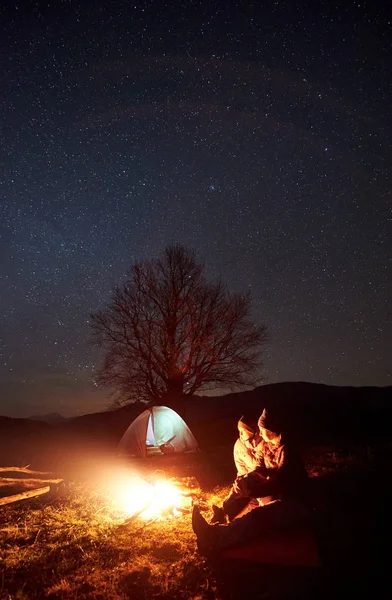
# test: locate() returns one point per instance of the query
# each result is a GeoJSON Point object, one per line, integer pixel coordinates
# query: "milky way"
{"type": "Point", "coordinates": [261, 138]}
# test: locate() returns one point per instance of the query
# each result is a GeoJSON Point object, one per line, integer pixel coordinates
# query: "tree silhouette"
{"type": "Point", "coordinates": [167, 330]}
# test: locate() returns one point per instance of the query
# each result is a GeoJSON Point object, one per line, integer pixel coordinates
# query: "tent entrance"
{"type": "Point", "coordinates": [150, 437]}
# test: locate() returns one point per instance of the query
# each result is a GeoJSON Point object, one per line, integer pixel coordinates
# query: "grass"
{"type": "Point", "coordinates": [76, 545]}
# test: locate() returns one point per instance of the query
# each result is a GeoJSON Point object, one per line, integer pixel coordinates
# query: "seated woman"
{"type": "Point", "coordinates": [279, 477]}
{"type": "Point", "coordinates": [246, 458]}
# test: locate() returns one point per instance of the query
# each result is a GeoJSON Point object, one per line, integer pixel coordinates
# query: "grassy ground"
{"type": "Point", "coordinates": [75, 545]}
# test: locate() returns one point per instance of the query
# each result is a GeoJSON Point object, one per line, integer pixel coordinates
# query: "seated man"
{"type": "Point", "coordinates": [246, 460]}
{"type": "Point", "coordinates": [279, 472]}
{"type": "Point", "coordinates": [279, 475]}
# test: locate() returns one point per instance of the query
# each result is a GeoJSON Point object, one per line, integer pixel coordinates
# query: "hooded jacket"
{"type": "Point", "coordinates": [279, 472]}
{"type": "Point", "coordinates": [246, 456]}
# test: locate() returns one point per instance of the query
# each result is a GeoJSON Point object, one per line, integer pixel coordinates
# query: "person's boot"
{"type": "Point", "coordinates": [218, 515]}
{"type": "Point", "coordinates": [205, 533]}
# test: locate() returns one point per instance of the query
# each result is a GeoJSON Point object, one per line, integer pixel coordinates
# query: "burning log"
{"type": "Point", "coordinates": [189, 486]}
{"type": "Point", "coordinates": [137, 514]}
{"type": "Point", "coordinates": [156, 500]}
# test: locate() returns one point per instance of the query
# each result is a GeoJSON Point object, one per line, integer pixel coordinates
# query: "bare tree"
{"type": "Point", "coordinates": [167, 330]}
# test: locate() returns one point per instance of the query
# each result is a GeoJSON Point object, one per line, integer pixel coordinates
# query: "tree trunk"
{"type": "Point", "coordinates": [175, 385]}
{"type": "Point", "coordinates": [176, 400]}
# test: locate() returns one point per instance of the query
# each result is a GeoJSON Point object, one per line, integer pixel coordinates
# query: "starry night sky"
{"type": "Point", "coordinates": [255, 133]}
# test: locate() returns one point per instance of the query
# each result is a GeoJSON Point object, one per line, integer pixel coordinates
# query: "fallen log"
{"type": "Point", "coordinates": [24, 470]}
{"type": "Point", "coordinates": [24, 495]}
{"type": "Point", "coordinates": [8, 480]}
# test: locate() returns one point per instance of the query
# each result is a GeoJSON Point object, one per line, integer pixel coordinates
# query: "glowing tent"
{"type": "Point", "coordinates": [157, 429]}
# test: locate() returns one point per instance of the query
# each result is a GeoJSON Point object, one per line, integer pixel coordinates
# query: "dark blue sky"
{"type": "Point", "coordinates": [257, 134]}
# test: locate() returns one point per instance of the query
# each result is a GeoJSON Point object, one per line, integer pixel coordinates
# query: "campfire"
{"type": "Point", "coordinates": [156, 499]}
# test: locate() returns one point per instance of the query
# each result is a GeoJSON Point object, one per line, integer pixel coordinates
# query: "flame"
{"type": "Point", "coordinates": [149, 501]}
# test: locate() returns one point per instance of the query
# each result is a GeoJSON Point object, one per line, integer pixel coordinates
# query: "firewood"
{"type": "Point", "coordinates": [24, 495]}
{"type": "Point", "coordinates": [8, 480]}
{"type": "Point", "coordinates": [24, 470]}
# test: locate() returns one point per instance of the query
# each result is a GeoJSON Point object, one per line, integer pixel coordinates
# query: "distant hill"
{"type": "Point", "coordinates": [312, 413]}
{"type": "Point", "coordinates": [106, 427]}
{"type": "Point", "coordinates": [51, 418]}
{"type": "Point", "coordinates": [21, 440]}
